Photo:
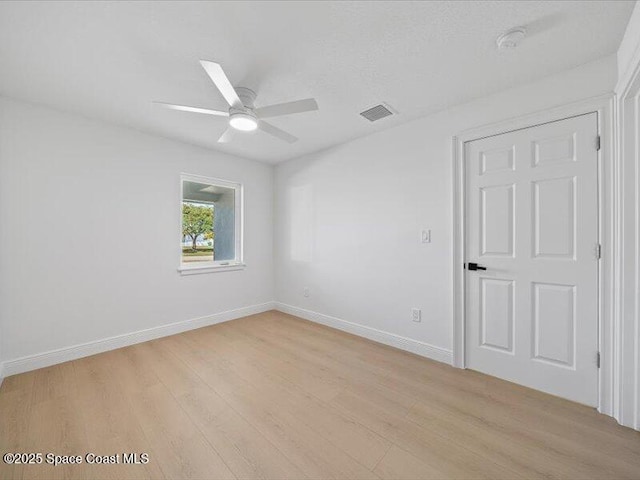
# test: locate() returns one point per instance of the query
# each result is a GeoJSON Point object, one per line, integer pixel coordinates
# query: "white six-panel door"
{"type": "Point", "coordinates": [532, 221]}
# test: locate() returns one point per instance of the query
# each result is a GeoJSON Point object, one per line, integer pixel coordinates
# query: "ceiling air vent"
{"type": "Point", "coordinates": [376, 113]}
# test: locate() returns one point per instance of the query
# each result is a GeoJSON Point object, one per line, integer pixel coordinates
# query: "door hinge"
{"type": "Point", "coordinates": [598, 359]}
{"type": "Point", "coordinates": [598, 251]}
{"type": "Point", "coordinates": [598, 142]}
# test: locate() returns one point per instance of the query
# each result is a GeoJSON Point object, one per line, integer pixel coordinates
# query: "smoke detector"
{"type": "Point", "coordinates": [511, 38]}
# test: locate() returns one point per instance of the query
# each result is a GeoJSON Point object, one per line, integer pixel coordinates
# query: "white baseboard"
{"type": "Point", "coordinates": [53, 357]}
{"type": "Point", "coordinates": [403, 343]}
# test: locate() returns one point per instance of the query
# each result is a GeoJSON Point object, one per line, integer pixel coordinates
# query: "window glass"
{"type": "Point", "coordinates": [208, 222]}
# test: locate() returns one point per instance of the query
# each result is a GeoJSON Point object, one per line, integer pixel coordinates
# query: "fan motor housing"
{"type": "Point", "coordinates": [247, 96]}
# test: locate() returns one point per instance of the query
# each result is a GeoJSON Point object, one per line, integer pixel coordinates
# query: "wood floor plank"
{"type": "Point", "coordinates": [453, 459]}
{"type": "Point", "coordinates": [414, 378]}
{"type": "Point", "coordinates": [544, 426]}
{"type": "Point", "coordinates": [15, 409]}
{"type": "Point", "coordinates": [248, 453]}
{"type": "Point", "coordinates": [361, 443]}
{"type": "Point", "coordinates": [347, 375]}
{"type": "Point", "coordinates": [110, 425]}
{"type": "Point", "coordinates": [55, 428]}
{"type": "Point", "coordinates": [316, 456]}
{"type": "Point", "coordinates": [178, 445]}
{"type": "Point", "coordinates": [54, 382]}
{"type": "Point", "coordinates": [547, 458]}
{"type": "Point", "coordinates": [271, 396]}
{"type": "Point", "coordinates": [398, 464]}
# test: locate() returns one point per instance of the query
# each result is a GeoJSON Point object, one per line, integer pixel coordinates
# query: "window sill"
{"type": "Point", "coordinates": [200, 269]}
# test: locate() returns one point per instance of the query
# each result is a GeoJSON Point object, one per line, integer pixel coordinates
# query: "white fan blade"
{"type": "Point", "coordinates": [185, 108]}
{"type": "Point", "coordinates": [299, 106]}
{"type": "Point", "coordinates": [227, 136]}
{"type": "Point", "coordinates": [276, 132]}
{"type": "Point", "coordinates": [221, 81]}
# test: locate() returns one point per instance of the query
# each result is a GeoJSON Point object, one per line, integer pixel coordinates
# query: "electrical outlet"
{"type": "Point", "coordinates": [305, 291]}
{"type": "Point", "coordinates": [416, 314]}
{"type": "Point", "coordinates": [425, 236]}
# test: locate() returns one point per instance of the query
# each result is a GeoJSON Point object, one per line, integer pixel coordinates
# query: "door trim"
{"type": "Point", "coordinates": [627, 393]}
{"type": "Point", "coordinates": [607, 228]}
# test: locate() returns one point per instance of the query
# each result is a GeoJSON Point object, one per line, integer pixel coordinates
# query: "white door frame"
{"type": "Point", "coordinates": [607, 227]}
{"type": "Point", "coordinates": [627, 381]}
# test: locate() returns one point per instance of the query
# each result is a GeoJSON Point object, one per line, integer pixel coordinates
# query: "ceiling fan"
{"type": "Point", "coordinates": [242, 114]}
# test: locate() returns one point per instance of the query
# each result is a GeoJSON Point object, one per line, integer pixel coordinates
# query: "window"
{"type": "Point", "coordinates": [211, 225]}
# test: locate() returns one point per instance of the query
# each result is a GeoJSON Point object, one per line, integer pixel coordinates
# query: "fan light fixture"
{"type": "Point", "coordinates": [244, 122]}
{"type": "Point", "coordinates": [242, 114]}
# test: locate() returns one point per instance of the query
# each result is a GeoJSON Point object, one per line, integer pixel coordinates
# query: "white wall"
{"type": "Point", "coordinates": [74, 192]}
{"type": "Point", "coordinates": [73, 195]}
{"type": "Point", "coordinates": [630, 44]}
{"type": "Point", "coordinates": [348, 218]}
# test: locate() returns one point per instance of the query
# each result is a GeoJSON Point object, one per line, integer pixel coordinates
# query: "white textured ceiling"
{"type": "Point", "coordinates": [110, 60]}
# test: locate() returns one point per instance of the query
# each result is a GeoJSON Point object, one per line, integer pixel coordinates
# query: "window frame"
{"type": "Point", "coordinates": [222, 265]}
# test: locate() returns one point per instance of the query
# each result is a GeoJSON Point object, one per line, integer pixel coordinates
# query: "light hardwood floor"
{"type": "Point", "coordinates": [273, 396]}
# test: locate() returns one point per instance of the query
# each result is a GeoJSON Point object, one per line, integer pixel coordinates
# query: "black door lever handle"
{"type": "Point", "coordinates": [475, 266]}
